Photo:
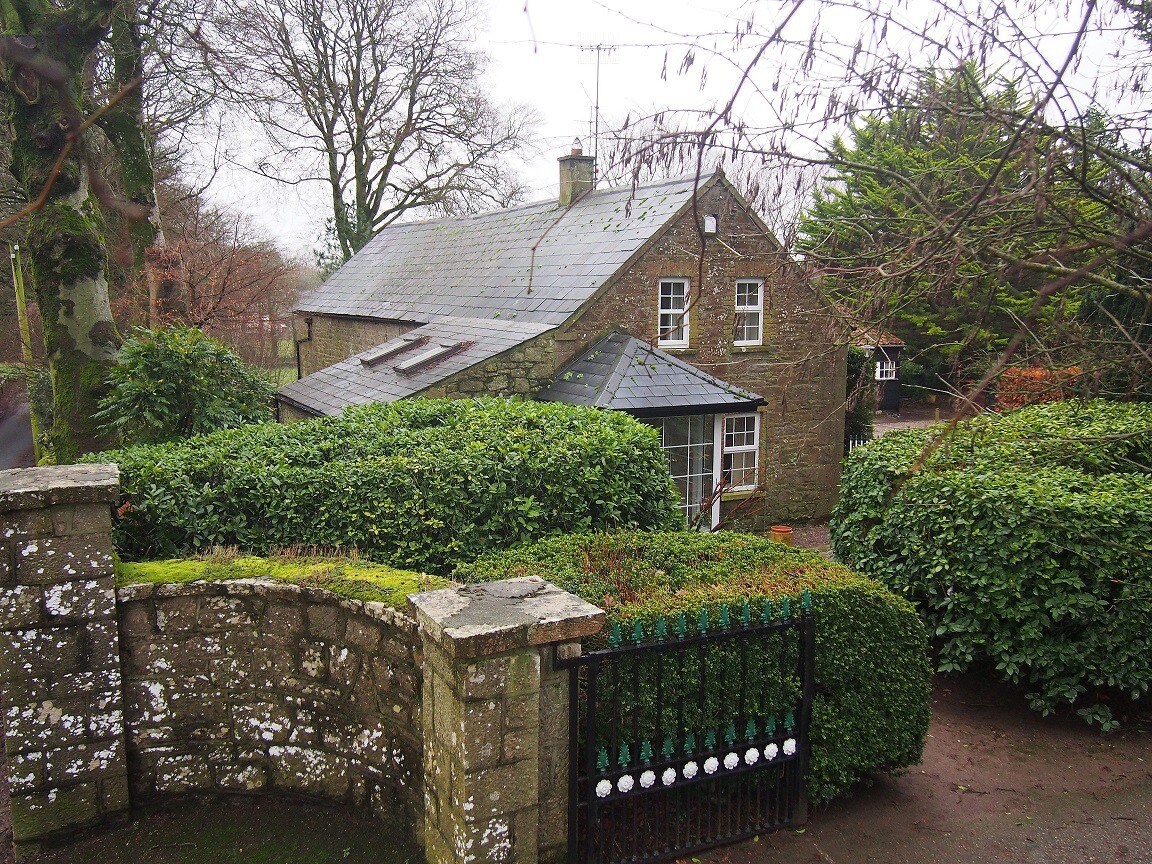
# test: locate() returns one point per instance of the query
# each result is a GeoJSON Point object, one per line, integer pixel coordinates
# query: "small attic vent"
{"type": "Point", "coordinates": [436, 352]}
{"type": "Point", "coordinates": [391, 349]}
{"type": "Point", "coordinates": [710, 224]}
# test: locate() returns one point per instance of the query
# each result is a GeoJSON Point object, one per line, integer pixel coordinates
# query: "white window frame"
{"type": "Point", "coordinates": [677, 318]}
{"type": "Point", "coordinates": [885, 369]}
{"type": "Point", "coordinates": [753, 448]}
{"type": "Point", "coordinates": [745, 309]}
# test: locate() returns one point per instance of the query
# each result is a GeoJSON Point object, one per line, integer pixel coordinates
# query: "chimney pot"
{"type": "Point", "coordinates": [577, 175]}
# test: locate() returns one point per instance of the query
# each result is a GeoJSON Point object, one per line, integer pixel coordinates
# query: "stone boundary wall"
{"type": "Point", "coordinates": [449, 723]}
{"type": "Point", "coordinates": [251, 685]}
{"type": "Point", "coordinates": [59, 656]}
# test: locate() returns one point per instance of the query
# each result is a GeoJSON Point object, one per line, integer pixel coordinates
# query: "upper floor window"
{"type": "Point", "coordinates": [741, 451]}
{"type": "Point", "coordinates": [885, 369]}
{"type": "Point", "coordinates": [749, 312]}
{"type": "Point", "coordinates": [673, 321]}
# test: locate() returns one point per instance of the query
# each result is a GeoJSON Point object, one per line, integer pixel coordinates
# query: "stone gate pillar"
{"type": "Point", "coordinates": [496, 719]}
{"type": "Point", "coordinates": [60, 688]}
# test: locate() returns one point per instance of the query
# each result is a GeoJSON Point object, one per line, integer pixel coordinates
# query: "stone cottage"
{"type": "Point", "coordinates": [671, 301]}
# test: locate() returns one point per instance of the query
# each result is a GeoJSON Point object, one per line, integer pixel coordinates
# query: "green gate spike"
{"type": "Point", "coordinates": [614, 635]}
{"type": "Point", "coordinates": [602, 760]}
{"type": "Point", "coordinates": [771, 724]}
{"type": "Point", "coordinates": [681, 626]}
{"type": "Point", "coordinates": [730, 734]}
{"type": "Point", "coordinates": [637, 632]}
{"type": "Point", "coordinates": [690, 743]}
{"type": "Point", "coordinates": [702, 623]}
{"type": "Point", "coordinates": [625, 757]}
{"type": "Point", "coordinates": [661, 629]}
{"type": "Point", "coordinates": [789, 722]}
{"type": "Point", "coordinates": [645, 751]}
{"type": "Point", "coordinates": [725, 619]}
{"type": "Point", "coordinates": [750, 729]}
{"type": "Point", "coordinates": [669, 748]}
{"type": "Point", "coordinates": [785, 609]}
{"type": "Point", "coordinates": [806, 600]}
{"type": "Point", "coordinates": [766, 612]}
{"type": "Point", "coordinates": [746, 614]}
{"type": "Point", "coordinates": [710, 740]}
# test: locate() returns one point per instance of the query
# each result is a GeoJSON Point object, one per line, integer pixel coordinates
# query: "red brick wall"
{"type": "Point", "coordinates": [799, 370]}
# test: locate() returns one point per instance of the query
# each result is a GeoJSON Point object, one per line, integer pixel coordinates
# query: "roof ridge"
{"type": "Point", "coordinates": [545, 202]}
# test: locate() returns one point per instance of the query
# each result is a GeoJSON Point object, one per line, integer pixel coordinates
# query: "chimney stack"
{"type": "Point", "coordinates": [577, 174]}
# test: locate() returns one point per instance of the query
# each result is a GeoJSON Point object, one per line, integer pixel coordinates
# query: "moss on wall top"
{"type": "Point", "coordinates": [348, 578]}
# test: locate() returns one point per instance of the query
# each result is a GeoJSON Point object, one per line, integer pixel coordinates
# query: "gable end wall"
{"type": "Point", "coordinates": [799, 370]}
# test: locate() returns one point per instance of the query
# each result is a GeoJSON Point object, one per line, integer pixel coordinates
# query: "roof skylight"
{"type": "Point", "coordinates": [391, 349]}
{"type": "Point", "coordinates": [436, 352]}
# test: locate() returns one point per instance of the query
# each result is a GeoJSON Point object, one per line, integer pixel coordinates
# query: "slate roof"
{"type": "Point", "coordinates": [484, 266]}
{"type": "Point", "coordinates": [352, 382]}
{"type": "Point", "coordinates": [625, 374]}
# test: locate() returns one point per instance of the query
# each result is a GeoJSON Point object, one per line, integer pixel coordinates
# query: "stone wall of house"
{"type": "Point", "coordinates": [799, 369]}
{"type": "Point", "coordinates": [286, 413]}
{"type": "Point", "coordinates": [250, 686]}
{"type": "Point", "coordinates": [524, 369]}
{"type": "Point", "coordinates": [332, 338]}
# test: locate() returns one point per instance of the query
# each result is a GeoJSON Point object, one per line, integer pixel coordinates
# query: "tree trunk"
{"type": "Point", "coordinates": [68, 255]}
{"type": "Point", "coordinates": [123, 123]}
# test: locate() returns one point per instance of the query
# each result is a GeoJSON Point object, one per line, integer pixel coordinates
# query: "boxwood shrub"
{"type": "Point", "coordinates": [1025, 540]}
{"type": "Point", "coordinates": [872, 673]}
{"type": "Point", "coordinates": [419, 484]}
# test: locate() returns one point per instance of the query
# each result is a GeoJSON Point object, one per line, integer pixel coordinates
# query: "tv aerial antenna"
{"type": "Point", "coordinates": [602, 53]}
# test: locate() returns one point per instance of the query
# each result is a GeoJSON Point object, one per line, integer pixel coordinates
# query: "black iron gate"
{"type": "Point", "coordinates": [693, 735]}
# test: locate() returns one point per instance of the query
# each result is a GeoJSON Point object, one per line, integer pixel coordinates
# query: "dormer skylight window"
{"type": "Point", "coordinates": [391, 349]}
{"type": "Point", "coordinates": [436, 352]}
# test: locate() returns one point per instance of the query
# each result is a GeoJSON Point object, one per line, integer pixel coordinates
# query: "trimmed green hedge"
{"type": "Point", "coordinates": [421, 484]}
{"type": "Point", "coordinates": [1025, 540]}
{"type": "Point", "coordinates": [344, 577]}
{"type": "Point", "coordinates": [872, 673]}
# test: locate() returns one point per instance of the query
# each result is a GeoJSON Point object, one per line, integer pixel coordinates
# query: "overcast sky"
{"type": "Point", "coordinates": [536, 61]}
{"type": "Point", "coordinates": [540, 57]}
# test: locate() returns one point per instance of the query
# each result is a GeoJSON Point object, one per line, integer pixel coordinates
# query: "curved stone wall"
{"type": "Point", "coordinates": [246, 686]}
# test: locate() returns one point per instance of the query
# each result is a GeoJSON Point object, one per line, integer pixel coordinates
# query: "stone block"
{"type": "Point", "coordinates": [176, 615]}
{"type": "Point", "coordinates": [182, 773]}
{"type": "Point", "coordinates": [41, 652]}
{"type": "Point", "coordinates": [362, 634]}
{"type": "Point", "coordinates": [55, 812]}
{"type": "Point", "coordinates": [71, 519]}
{"type": "Point", "coordinates": [31, 488]}
{"type": "Point", "coordinates": [81, 600]}
{"type": "Point", "coordinates": [310, 770]}
{"type": "Point", "coordinates": [326, 623]}
{"type": "Point", "coordinates": [283, 623]}
{"type": "Point", "coordinates": [45, 560]}
{"type": "Point", "coordinates": [20, 607]}
{"type": "Point", "coordinates": [25, 524]}
{"type": "Point", "coordinates": [495, 617]}
{"type": "Point", "coordinates": [241, 778]}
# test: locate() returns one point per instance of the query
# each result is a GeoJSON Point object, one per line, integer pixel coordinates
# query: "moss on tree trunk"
{"type": "Point", "coordinates": [66, 241]}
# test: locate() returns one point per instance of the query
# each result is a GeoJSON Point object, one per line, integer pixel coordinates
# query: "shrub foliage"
{"type": "Point", "coordinates": [1024, 539]}
{"type": "Point", "coordinates": [419, 484]}
{"type": "Point", "coordinates": [175, 382]}
{"type": "Point", "coordinates": [872, 673]}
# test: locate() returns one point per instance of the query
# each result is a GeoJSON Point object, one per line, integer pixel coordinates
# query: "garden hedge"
{"type": "Point", "coordinates": [420, 484]}
{"type": "Point", "coordinates": [872, 673]}
{"type": "Point", "coordinates": [1025, 540]}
